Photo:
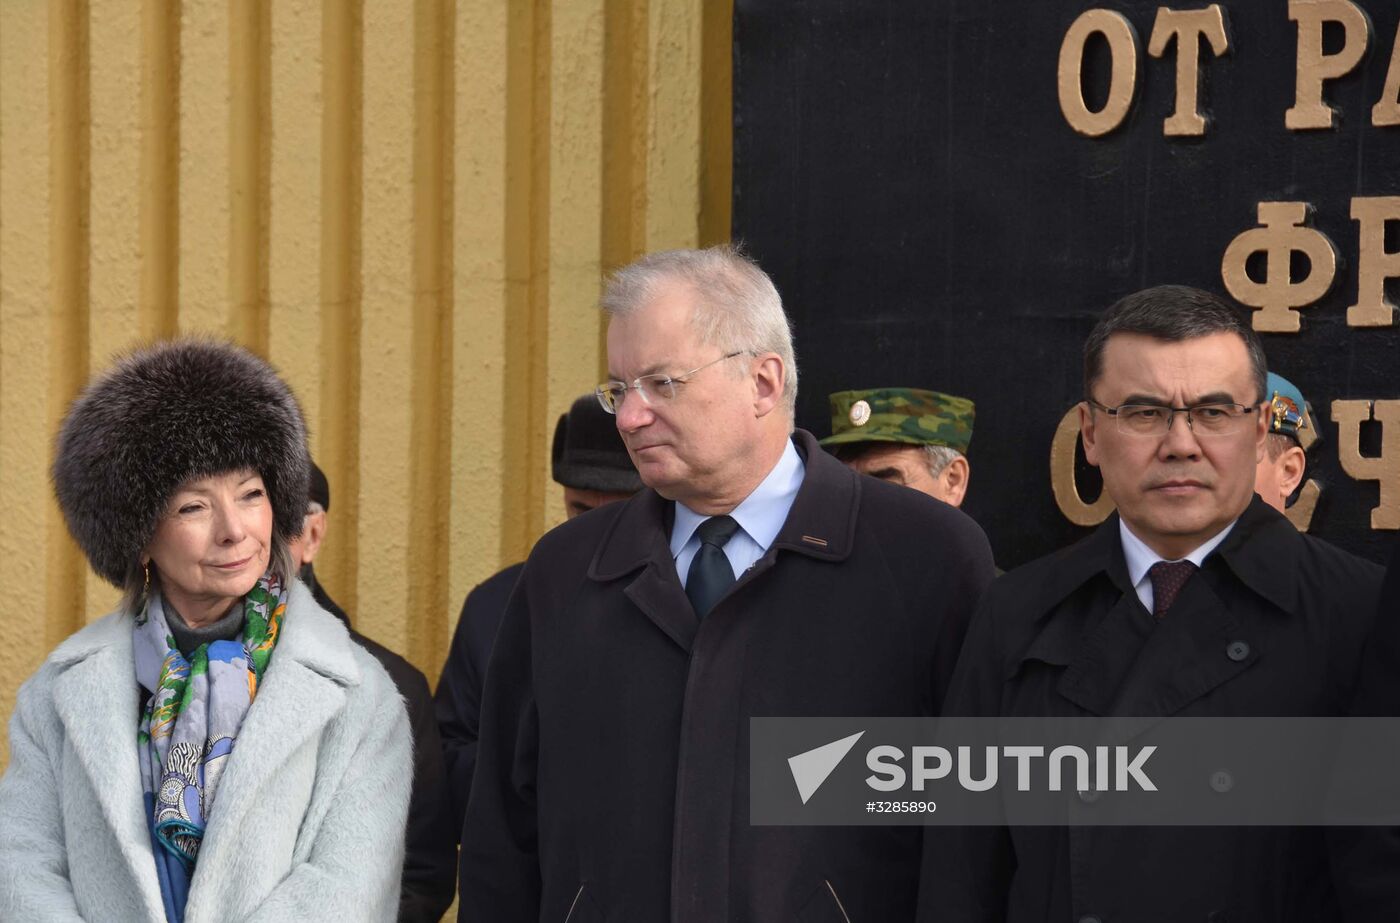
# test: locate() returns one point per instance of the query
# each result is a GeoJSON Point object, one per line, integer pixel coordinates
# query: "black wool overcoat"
{"type": "Point", "coordinates": [1274, 624]}
{"type": "Point", "coordinates": [612, 774]}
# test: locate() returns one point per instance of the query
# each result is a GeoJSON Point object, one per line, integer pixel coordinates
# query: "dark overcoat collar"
{"type": "Point", "coordinates": [1121, 660]}
{"type": "Point", "coordinates": [1262, 550]}
{"type": "Point", "coordinates": [820, 525]}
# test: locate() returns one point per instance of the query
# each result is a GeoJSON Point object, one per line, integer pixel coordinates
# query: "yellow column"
{"type": "Point", "coordinates": [114, 321]}
{"type": "Point", "coordinates": [203, 207]}
{"type": "Point", "coordinates": [486, 403]}
{"type": "Point", "coordinates": [386, 333]}
{"type": "Point", "coordinates": [295, 206]}
{"type": "Point", "coordinates": [25, 292]}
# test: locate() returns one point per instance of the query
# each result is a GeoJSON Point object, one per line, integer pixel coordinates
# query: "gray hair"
{"type": "Point", "coordinates": [134, 587]}
{"type": "Point", "coordinates": [1278, 443]}
{"type": "Point", "coordinates": [1173, 313]}
{"type": "Point", "coordinates": [936, 457]}
{"type": "Point", "coordinates": [737, 307]}
{"type": "Point", "coordinates": [940, 457]}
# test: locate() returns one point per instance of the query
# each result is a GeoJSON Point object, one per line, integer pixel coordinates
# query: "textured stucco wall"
{"type": "Point", "coordinates": [405, 206]}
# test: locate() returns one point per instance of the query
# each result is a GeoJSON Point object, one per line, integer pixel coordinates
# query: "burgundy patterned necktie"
{"type": "Point", "coordinates": [1168, 577]}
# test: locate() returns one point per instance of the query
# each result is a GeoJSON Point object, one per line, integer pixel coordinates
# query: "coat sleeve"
{"type": "Point", "coordinates": [499, 877]}
{"type": "Point", "coordinates": [959, 586]}
{"type": "Point", "coordinates": [430, 864]}
{"type": "Point", "coordinates": [353, 868]}
{"type": "Point", "coordinates": [457, 705]}
{"type": "Point", "coordinates": [1364, 859]}
{"type": "Point", "coordinates": [34, 881]}
{"type": "Point", "coordinates": [458, 699]}
{"type": "Point", "coordinates": [967, 870]}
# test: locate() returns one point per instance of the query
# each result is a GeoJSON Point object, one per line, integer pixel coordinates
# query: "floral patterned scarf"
{"type": "Point", "coordinates": [190, 724]}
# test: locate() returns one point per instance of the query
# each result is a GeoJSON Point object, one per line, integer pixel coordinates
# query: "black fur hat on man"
{"type": "Point", "coordinates": [180, 409]}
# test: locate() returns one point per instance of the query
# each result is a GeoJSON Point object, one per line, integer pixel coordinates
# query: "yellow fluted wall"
{"type": "Point", "coordinates": [406, 206]}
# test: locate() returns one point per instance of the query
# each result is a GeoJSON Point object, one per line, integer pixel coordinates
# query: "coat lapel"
{"type": "Point", "coordinates": [639, 539]}
{"type": "Point", "coordinates": [96, 699]}
{"type": "Point", "coordinates": [303, 689]}
{"type": "Point", "coordinates": [1107, 656]}
{"type": "Point", "coordinates": [1129, 664]}
{"type": "Point", "coordinates": [658, 593]}
{"type": "Point", "coordinates": [1188, 654]}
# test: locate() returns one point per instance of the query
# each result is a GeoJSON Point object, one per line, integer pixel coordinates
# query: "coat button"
{"type": "Point", "coordinates": [1222, 781]}
{"type": "Point", "coordinates": [1088, 796]}
{"type": "Point", "coordinates": [1237, 650]}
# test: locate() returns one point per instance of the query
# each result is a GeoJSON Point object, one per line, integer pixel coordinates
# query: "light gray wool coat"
{"type": "Point", "coordinates": [309, 819]}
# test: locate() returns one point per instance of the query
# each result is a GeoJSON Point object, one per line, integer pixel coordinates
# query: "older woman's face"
{"type": "Point", "coordinates": [214, 541]}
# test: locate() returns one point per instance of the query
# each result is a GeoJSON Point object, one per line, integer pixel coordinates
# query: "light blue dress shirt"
{"type": "Point", "coordinates": [760, 516]}
{"type": "Point", "coordinates": [1140, 558]}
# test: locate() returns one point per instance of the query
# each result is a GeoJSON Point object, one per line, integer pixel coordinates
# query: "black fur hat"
{"type": "Point", "coordinates": [180, 409]}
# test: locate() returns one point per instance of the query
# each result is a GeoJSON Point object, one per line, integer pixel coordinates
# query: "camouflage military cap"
{"type": "Point", "coordinates": [1287, 409]}
{"type": "Point", "coordinates": [907, 415]}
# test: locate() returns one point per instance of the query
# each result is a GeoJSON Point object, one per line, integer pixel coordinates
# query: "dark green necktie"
{"type": "Point", "coordinates": [710, 575]}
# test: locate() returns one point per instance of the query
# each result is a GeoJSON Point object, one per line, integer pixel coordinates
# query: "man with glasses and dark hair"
{"type": "Point", "coordinates": [1196, 599]}
{"type": "Point", "coordinates": [755, 575]}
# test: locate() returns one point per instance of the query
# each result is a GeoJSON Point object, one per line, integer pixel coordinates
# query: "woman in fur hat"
{"type": "Point", "coordinates": [217, 748]}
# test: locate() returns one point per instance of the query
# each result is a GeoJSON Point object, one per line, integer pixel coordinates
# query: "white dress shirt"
{"type": "Point", "coordinates": [1140, 558]}
{"type": "Point", "coordinates": [760, 516]}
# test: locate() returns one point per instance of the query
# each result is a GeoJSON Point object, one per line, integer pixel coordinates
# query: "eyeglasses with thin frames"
{"type": "Point", "coordinates": [1215, 419]}
{"type": "Point", "coordinates": [658, 386]}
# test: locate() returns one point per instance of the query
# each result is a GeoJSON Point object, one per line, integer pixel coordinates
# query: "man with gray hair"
{"type": "Point", "coordinates": [754, 575]}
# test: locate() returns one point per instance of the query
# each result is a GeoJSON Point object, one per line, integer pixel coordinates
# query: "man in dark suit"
{"type": "Point", "coordinates": [591, 464]}
{"type": "Point", "coordinates": [430, 855]}
{"type": "Point", "coordinates": [756, 575]}
{"type": "Point", "coordinates": [1195, 599]}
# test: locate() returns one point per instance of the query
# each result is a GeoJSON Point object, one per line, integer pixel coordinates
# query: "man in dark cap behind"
{"type": "Point", "coordinates": [429, 871]}
{"type": "Point", "coordinates": [592, 465]}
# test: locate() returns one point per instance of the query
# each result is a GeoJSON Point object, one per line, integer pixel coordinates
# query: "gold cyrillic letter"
{"type": "Point", "coordinates": [1278, 296]}
{"type": "Point", "coordinates": [1122, 43]}
{"type": "Point", "coordinates": [1376, 264]}
{"type": "Point", "coordinates": [1387, 110]}
{"type": "Point", "coordinates": [1188, 27]}
{"type": "Point", "coordinates": [1314, 68]}
{"type": "Point", "coordinates": [1385, 468]}
{"type": "Point", "coordinates": [1062, 484]}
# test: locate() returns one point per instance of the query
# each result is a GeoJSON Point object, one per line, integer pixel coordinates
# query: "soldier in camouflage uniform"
{"type": "Point", "coordinates": [905, 435]}
{"type": "Point", "coordinates": [1285, 462]}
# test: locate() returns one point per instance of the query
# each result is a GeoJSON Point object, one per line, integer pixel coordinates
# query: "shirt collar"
{"type": "Point", "coordinates": [762, 513]}
{"type": "Point", "coordinates": [1139, 558]}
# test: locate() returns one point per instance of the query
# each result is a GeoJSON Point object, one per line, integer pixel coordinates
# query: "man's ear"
{"type": "Point", "coordinates": [1292, 466]}
{"type": "Point", "coordinates": [1261, 431]}
{"type": "Point", "coordinates": [768, 380]}
{"type": "Point", "coordinates": [1088, 433]}
{"type": "Point", "coordinates": [953, 480]}
{"type": "Point", "coordinates": [313, 531]}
